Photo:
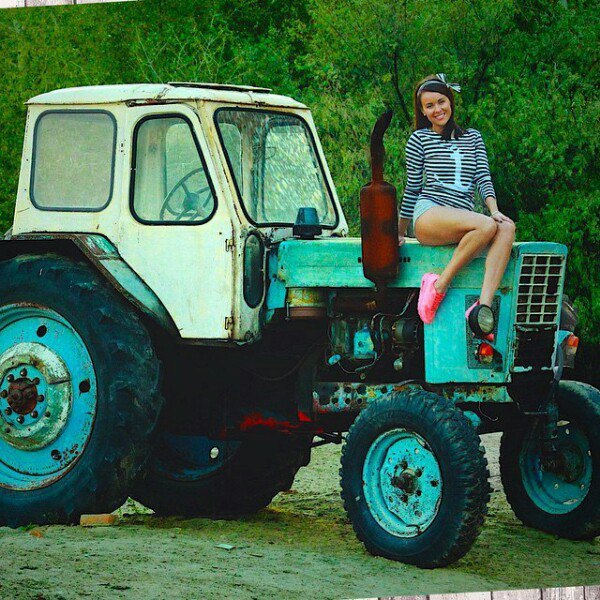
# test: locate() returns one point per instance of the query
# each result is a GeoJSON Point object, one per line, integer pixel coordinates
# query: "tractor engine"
{"type": "Point", "coordinates": [365, 342]}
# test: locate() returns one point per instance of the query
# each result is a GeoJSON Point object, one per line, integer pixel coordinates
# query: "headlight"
{"type": "Point", "coordinates": [481, 320]}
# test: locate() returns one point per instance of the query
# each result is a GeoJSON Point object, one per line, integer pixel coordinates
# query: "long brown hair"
{"type": "Point", "coordinates": [421, 121]}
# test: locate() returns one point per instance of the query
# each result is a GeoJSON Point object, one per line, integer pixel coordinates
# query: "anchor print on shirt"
{"type": "Point", "coordinates": [457, 185]}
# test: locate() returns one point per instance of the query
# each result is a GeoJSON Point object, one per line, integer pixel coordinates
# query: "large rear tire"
{"type": "Point", "coordinates": [564, 499]}
{"type": "Point", "coordinates": [194, 476]}
{"type": "Point", "coordinates": [79, 392]}
{"type": "Point", "coordinates": [414, 479]}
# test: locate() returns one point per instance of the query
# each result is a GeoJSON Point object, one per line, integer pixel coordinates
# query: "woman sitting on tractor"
{"type": "Point", "coordinates": [445, 164]}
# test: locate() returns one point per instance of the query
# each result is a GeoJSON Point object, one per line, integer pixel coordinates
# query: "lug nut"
{"type": "Point", "coordinates": [8, 411]}
{"type": "Point", "coordinates": [40, 398]}
{"type": "Point", "coordinates": [34, 414]}
{"type": "Point", "coordinates": [7, 430]}
{"type": "Point", "coordinates": [23, 372]}
{"type": "Point", "coordinates": [20, 419]}
{"type": "Point", "coordinates": [11, 378]}
{"type": "Point", "coordinates": [36, 380]}
{"type": "Point", "coordinates": [47, 414]}
{"type": "Point", "coordinates": [3, 394]}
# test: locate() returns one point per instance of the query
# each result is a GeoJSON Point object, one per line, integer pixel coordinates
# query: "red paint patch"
{"type": "Point", "coordinates": [303, 417]}
{"type": "Point", "coordinates": [256, 420]}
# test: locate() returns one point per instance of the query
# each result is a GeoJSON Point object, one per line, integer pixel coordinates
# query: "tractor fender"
{"type": "Point", "coordinates": [102, 254]}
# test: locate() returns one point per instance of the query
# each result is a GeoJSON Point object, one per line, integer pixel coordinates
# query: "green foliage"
{"type": "Point", "coordinates": [529, 72]}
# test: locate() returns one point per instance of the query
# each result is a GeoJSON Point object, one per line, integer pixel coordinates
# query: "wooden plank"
{"type": "Point", "coordinates": [464, 596]}
{"type": "Point", "coordinates": [570, 593]}
{"type": "Point", "coordinates": [517, 595]}
{"type": "Point", "coordinates": [403, 598]}
{"type": "Point", "coordinates": [96, 1]}
{"type": "Point", "coordinates": [592, 592]}
{"type": "Point", "coordinates": [566, 593]}
{"type": "Point", "coordinates": [32, 3]}
{"type": "Point", "coordinates": [29, 3]}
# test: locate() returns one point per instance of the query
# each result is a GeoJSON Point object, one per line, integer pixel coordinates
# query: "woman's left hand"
{"type": "Point", "coordinates": [500, 218]}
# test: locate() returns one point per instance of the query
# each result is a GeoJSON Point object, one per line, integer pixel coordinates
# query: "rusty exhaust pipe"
{"type": "Point", "coordinates": [379, 218]}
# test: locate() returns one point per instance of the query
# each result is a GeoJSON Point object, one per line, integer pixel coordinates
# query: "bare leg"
{"type": "Point", "coordinates": [496, 261]}
{"type": "Point", "coordinates": [443, 225]}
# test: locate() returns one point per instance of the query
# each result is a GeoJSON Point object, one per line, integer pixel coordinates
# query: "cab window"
{"type": "Point", "coordinates": [169, 179]}
{"type": "Point", "coordinates": [73, 160]}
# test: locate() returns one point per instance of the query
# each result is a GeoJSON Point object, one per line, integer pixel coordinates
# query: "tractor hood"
{"type": "Point", "coordinates": [337, 263]}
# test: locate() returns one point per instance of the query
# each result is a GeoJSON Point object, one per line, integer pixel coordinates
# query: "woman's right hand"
{"type": "Point", "coordinates": [402, 227]}
{"type": "Point", "coordinates": [500, 217]}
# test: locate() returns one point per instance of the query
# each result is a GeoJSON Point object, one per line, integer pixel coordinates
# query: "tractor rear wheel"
{"type": "Point", "coordinates": [79, 396]}
{"type": "Point", "coordinates": [195, 476]}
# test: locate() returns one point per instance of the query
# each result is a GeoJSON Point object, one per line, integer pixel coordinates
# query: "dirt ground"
{"type": "Point", "coordinates": [300, 547]}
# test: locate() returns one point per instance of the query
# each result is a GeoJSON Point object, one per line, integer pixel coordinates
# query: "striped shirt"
{"type": "Point", "coordinates": [446, 172]}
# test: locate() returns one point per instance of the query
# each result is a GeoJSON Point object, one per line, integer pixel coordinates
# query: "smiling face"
{"type": "Point", "coordinates": [436, 107]}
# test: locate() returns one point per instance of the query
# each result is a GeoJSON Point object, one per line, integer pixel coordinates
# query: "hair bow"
{"type": "Point", "coordinates": [442, 78]}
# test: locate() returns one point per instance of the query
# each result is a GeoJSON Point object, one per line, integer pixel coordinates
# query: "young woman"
{"type": "Point", "coordinates": [445, 164]}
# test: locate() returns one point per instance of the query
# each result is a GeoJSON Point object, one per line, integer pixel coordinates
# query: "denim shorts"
{"type": "Point", "coordinates": [422, 206]}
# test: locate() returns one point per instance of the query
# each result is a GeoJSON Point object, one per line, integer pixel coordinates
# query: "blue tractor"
{"type": "Point", "coordinates": [183, 317]}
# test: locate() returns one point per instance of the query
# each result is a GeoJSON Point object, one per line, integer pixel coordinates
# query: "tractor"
{"type": "Point", "coordinates": [184, 316]}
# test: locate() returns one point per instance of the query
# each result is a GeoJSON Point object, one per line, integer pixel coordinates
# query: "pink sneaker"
{"type": "Point", "coordinates": [429, 298]}
{"type": "Point", "coordinates": [470, 309]}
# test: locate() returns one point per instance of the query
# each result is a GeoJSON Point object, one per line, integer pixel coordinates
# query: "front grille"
{"type": "Point", "coordinates": [540, 282]}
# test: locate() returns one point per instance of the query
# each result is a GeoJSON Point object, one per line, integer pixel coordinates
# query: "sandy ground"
{"type": "Point", "coordinates": [302, 546]}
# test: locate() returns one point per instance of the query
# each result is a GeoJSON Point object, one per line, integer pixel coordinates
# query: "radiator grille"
{"type": "Point", "coordinates": [540, 282]}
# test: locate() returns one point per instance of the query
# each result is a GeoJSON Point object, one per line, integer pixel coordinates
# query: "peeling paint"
{"type": "Point", "coordinates": [352, 397]}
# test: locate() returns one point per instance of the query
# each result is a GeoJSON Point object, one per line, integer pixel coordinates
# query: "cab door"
{"type": "Point", "coordinates": [177, 232]}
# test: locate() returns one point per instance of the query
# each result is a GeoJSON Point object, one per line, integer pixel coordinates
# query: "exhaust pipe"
{"type": "Point", "coordinates": [379, 217]}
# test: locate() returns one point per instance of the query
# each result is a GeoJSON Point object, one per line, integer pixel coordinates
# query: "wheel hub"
{"type": "Point", "coordinates": [567, 462]}
{"type": "Point", "coordinates": [559, 482]}
{"type": "Point", "coordinates": [406, 482]}
{"type": "Point", "coordinates": [402, 482]}
{"type": "Point", "coordinates": [48, 396]}
{"type": "Point", "coordinates": [22, 394]}
{"type": "Point", "coordinates": [35, 395]}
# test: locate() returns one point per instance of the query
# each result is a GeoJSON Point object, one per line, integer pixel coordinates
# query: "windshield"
{"type": "Point", "coordinates": [274, 162]}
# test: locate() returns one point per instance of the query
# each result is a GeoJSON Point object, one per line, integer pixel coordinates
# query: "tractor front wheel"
{"type": "Point", "coordinates": [559, 494]}
{"type": "Point", "coordinates": [414, 479]}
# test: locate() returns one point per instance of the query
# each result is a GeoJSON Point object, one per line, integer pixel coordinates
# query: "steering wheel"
{"type": "Point", "coordinates": [192, 206]}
